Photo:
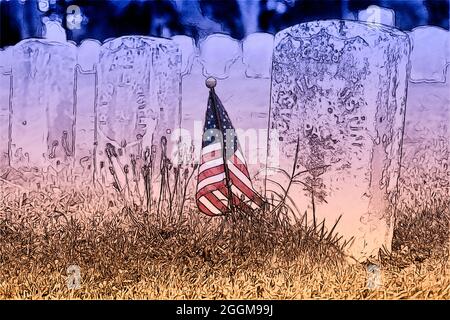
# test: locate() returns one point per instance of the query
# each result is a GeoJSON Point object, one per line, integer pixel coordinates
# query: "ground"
{"type": "Point", "coordinates": [95, 243]}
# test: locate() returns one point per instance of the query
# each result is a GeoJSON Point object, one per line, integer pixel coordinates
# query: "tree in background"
{"type": "Point", "coordinates": [21, 19]}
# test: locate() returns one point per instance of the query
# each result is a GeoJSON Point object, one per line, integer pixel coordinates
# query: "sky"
{"type": "Point", "coordinates": [103, 19]}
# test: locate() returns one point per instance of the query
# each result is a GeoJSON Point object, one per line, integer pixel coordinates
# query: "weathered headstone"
{"type": "Point", "coordinates": [339, 98]}
{"type": "Point", "coordinates": [425, 176]}
{"type": "Point", "coordinates": [138, 100]}
{"type": "Point", "coordinates": [430, 56]}
{"type": "Point", "coordinates": [5, 95]}
{"type": "Point", "coordinates": [257, 55]}
{"type": "Point", "coordinates": [218, 52]}
{"type": "Point", "coordinates": [188, 52]}
{"type": "Point", "coordinates": [88, 57]}
{"type": "Point", "coordinates": [42, 121]}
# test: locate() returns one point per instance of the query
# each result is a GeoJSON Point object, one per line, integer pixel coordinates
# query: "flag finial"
{"type": "Point", "coordinates": [211, 82]}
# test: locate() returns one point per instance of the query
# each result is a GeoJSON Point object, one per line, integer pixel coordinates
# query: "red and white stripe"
{"type": "Point", "coordinates": [212, 191]}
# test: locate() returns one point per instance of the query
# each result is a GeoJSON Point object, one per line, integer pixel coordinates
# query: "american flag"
{"type": "Point", "coordinates": [223, 179]}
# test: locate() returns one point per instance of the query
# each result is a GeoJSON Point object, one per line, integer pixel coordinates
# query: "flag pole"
{"type": "Point", "coordinates": [211, 83]}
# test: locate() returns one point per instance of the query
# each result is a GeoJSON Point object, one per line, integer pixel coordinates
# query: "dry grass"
{"type": "Point", "coordinates": [127, 247]}
{"type": "Point", "coordinates": [124, 254]}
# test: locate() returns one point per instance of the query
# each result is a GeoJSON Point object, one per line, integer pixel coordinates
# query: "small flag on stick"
{"type": "Point", "coordinates": [223, 179]}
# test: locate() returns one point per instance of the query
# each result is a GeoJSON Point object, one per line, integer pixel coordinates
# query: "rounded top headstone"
{"type": "Point", "coordinates": [211, 82]}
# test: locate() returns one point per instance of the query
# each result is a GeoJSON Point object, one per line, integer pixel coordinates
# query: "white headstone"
{"type": "Point", "coordinates": [339, 95]}
{"type": "Point", "coordinates": [42, 122]}
{"type": "Point", "coordinates": [5, 93]}
{"type": "Point", "coordinates": [5, 81]}
{"type": "Point", "coordinates": [88, 58]}
{"type": "Point", "coordinates": [257, 55]}
{"type": "Point", "coordinates": [138, 100]}
{"type": "Point", "coordinates": [5, 60]}
{"type": "Point", "coordinates": [425, 175]}
{"type": "Point", "coordinates": [430, 55]}
{"type": "Point", "coordinates": [218, 52]}
{"type": "Point", "coordinates": [88, 54]}
{"type": "Point", "coordinates": [188, 52]}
